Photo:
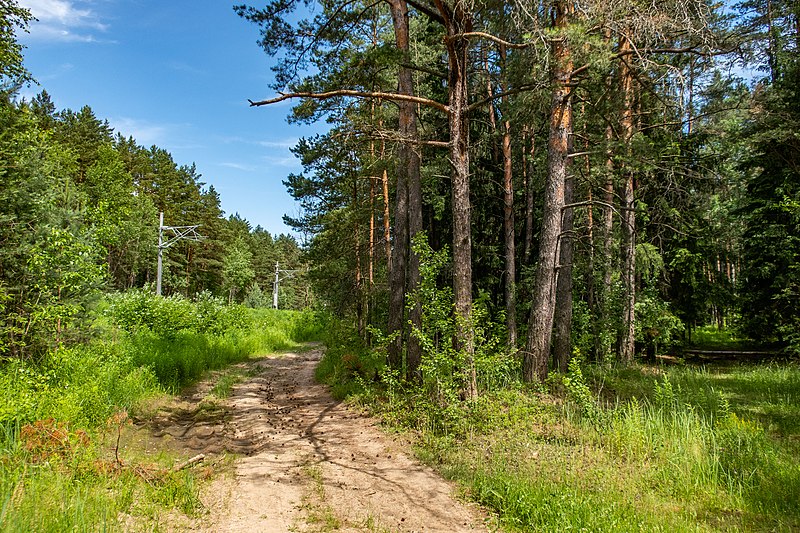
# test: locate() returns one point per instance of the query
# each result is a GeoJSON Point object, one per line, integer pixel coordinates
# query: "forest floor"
{"type": "Point", "coordinates": [303, 461]}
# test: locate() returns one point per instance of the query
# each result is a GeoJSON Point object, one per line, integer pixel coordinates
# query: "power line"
{"type": "Point", "coordinates": [177, 233]}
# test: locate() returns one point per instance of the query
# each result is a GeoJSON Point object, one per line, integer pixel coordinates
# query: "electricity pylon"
{"type": "Point", "coordinates": [278, 279]}
{"type": "Point", "coordinates": [178, 233]}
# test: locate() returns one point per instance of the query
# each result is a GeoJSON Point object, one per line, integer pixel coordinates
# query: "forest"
{"type": "Point", "coordinates": [604, 178]}
{"type": "Point", "coordinates": [557, 242]}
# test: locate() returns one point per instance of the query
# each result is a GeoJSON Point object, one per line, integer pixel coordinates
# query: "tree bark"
{"type": "Point", "coordinates": [510, 288]}
{"type": "Point", "coordinates": [537, 348]}
{"type": "Point", "coordinates": [562, 334]}
{"type": "Point", "coordinates": [408, 216]}
{"type": "Point", "coordinates": [359, 281]}
{"type": "Point", "coordinates": [397, 277]}
{"type": "Point", "coordinates": [627, 337]}
{"type": "Point", "coordinates": [528, 167]}
{"type": "Point", "coordinates": [458, 21]}
{"type": "Point", "coordinates": [387, 220]}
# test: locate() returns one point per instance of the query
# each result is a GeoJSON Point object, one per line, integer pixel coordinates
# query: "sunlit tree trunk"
{"type": "Point", "coordinates": [537, 346]}
{"type": "Point", "coordinates": [510, 291]}
{"type": "Point", "coordinates": [627, 336]}
{"type": "Point", "coordinates": [458, 21]}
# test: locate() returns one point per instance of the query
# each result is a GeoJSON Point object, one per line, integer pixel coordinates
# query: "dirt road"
{"type": "Point", "coordinates": [307, 462]}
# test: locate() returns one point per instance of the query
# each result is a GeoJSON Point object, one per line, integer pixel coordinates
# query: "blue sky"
{"type": "Point", "coordinates": [177, 74]}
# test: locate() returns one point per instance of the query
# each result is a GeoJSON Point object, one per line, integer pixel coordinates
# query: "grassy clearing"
{"type": "Point", "coordinates": [629, 449]}
{"type": "Point", "coordinates": [712, 338]}
{"type": "Point", "coordinates": [61, 467]}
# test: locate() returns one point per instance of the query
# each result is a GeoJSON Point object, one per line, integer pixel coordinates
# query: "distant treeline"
{"type": "Point", "coordinates": [79, 215]}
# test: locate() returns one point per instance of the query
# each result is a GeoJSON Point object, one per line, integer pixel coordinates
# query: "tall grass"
{"type": "Point", "coordinates": [179, 340]}
{"type": "Point", "coordinates": [620, 449]}
{"type": "Point", "coordinates": [59, 470]}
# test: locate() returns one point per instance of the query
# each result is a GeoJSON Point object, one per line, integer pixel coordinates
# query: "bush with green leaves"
{"type": "Point", "coordinates": [442, 367]}
{"type": "Point", "coordinates": [82, 385]}
{"type": "Point", "coordinates": [138, 309]}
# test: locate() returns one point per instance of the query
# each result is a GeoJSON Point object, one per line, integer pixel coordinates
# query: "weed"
{"type": "Point", "coordinates": [224, 385]}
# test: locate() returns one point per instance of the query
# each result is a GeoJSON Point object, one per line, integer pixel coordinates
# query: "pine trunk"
{"type": "Point", "coordinates": [562, 333]}
{"type": "Point", "coordinates": [457, 22]}
{"type": "Point", "coordinates": [528, 168]}
{"type": "Point", "coordinates": [408, 215]}
{"type": "Point", "coordinates": [627, 336]}
{"type": "Point", "coordinates": [508, 226]}
{"type": "Point", "coordinates": [537, 347]}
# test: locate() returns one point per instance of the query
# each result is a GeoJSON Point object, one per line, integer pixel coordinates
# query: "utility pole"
{"type": "Point", "coordinates": [278, 279]}
{"type": "Point", "coordinates": [178, 233]}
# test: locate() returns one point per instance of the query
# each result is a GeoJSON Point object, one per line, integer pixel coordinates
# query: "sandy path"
{"type": "Point", "coordinates": [309, 463]}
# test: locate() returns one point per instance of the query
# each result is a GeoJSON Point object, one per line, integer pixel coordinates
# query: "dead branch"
{"type": "Point", "coordinates": [189, 462]}
{"type": "Point", "coordinates": [490, 37]}
{"type": "Point", "coordinates": [357, 94]}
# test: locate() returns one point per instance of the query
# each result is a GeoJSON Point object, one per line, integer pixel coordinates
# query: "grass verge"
{"type": "Point", "coordinates": [598, 449]}
{"type": "Point", "coordinates": [63, 465]}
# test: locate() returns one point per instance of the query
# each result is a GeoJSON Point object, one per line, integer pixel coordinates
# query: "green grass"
{"type": "Point", "coordinates": [612, 449]}
{"type": "Point", "coordinates": [225, 382]}
{"type": "Point", "coordinates": [58, 466]}
{"type": "Point", "coordinates": [712, 338]}
{"type": "Point", "coordinates": [54, 478]}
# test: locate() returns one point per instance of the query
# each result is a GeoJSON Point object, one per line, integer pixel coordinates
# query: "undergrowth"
{"type": "Point", "coordinates": [603, 449]}
{"type": "Point", "coordinates": [62, 465]}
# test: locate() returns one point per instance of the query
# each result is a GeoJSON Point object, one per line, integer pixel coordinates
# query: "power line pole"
{"type": "Point", "coordinates": [278, 279]}
{"type": "Point", "coordinates": [178, 233]}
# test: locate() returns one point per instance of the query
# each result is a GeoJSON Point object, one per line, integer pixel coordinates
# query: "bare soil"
{"type": "Point", "coordinates": [305, 462]}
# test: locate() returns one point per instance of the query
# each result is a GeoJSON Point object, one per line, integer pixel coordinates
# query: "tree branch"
{"type": "Point", "coordinates": [358, 94]}
{"type": "Point", "coordinates": [686, 50]}
{"type": "Point", "coordinates": [490, 37]}
{"type": "Point", "coordinates": [598, 202]}
{"type": "Point", "coordinates": [425, 10]}
{"type": "Point", "coordinates": [419, 68]}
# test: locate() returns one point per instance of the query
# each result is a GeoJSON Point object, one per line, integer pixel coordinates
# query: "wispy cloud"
{"type": "Point", "coordinates": [146, 133]}
{"type": "Point", "coordinates": [291, 142]}
{"type": "Point", "coordinates": [64, 21]}
{"type": "Point", "coordinates": [283, 144]}
{"type": "Point", "coordinates": [185, 67]}
{"type": "Point", "coordinates": [240, 166]}
{"type": "Point", "coordinates": [289, 161]}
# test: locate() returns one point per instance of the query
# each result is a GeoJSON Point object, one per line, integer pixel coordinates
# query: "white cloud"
{"type": "Point", "coordinates": [284, 143]}
{"type": "Point", "coordinates": [63, 21]}
{"type": "Point", "coordinates": [145, 133]}
{"type": "Point", "coordinates": [289, 161]}
{"type": "Point", "coordinates": [239, 166]}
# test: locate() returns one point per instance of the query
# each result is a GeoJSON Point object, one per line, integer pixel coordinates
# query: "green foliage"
{"type": "Point", "coordinates": [13, 18]}
{"type": "Point", "coordinates": [442, 368]}
{"type": "Point", "coordinates": [771, 275]}
{"type": "Point", "coordinates": [165, 317]}
{"type": "Point", "coordinates": [236, 268]}
{"type": "Point", "coordinates": [255, 297]}
{"type": "Point", "coordinates": [83, 385]}
{"type": "Point", "coordinates": [180, 339]}
{"type": "Point", "coordinates": [578, 391]}
{"type": "Point", "coordinates": [656, 325]}
{"type": "Point", "coordinates": [349, 367]}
